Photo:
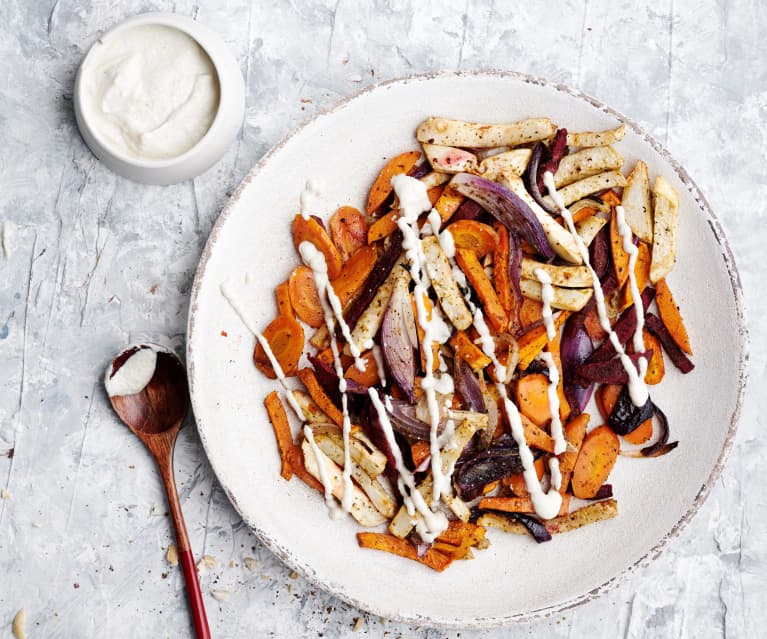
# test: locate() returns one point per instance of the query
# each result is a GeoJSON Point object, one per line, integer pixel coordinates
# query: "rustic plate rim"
{"type": "Point", "coordinates": [488, 622]}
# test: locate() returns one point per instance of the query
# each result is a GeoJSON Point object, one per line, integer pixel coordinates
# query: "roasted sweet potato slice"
{"type": "Point", "coordinates": [469, 351]}
{"type": "Point", "coordinates": [432, 558]}
{"type": "Point", "coordinates": [518, 504]}
{"type": "Point", "coordinates": [354, 273]}
{"type": "Point", "coordinates": [382, 188]}
{"type": "Point", "coordinates": [670, 315]}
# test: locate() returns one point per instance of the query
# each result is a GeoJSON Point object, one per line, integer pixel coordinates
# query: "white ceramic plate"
{"type": "Point", "coordinates": [515, 579]}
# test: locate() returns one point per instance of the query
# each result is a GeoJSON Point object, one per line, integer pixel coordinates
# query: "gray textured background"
{"type": "Point", "coordinates": [99, 261]}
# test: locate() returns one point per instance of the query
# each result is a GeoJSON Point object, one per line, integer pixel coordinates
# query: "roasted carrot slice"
{"type": "Point", "coordinates": [310, 230]}
{"type": "Point", "coordinates": [309, 379]}
{"type": "Point", "coordinates": [368, 377]}
{"type": "Point", "coordinates": [432, 558]}
{"type": "Point", "coordinates": [575, 431]}
{"type": "Point", "coordinates": [282, 293]}
{"type": "Point", "coordinates": [583, 213]}
{"type": "Point", "coordinates": [354, 273]}
{"type": "Point", "coordinates": [656, 369]}
{"type": "Point", "coordinates": [419, 451]}
{"type": "Point", "coordinates": [494, 312]}
{"type": "Point", "coordinates": [286, 340]}
{"type": "Point", "coordinates": [382, 188]}
{"type": "Point", "coordinates": [536, 437]}
{"type": "Point", "coordinates": [304, 297]}
{"type": "Point", "coordinates": [596, 459]}
{"type": "Point", "coordinates": [532, 342]}
{"type": "Point", "coordinates": [448, 203]}
{"type": "Point", "coordinates": [349, 230]}
{"type": "Point", "coordinates": [670, 316]}
{"type": "Point", "coordinates": [533, 398]}
{"type": "Point", "coordinates": [468, 351]}
{"type": "Point", "coordinates": [530, 313]}
{"type": "Point", "coordinates": [554, 348]}
{"type": "Point", "coordinates": [642, 274]}
{"type": "Point", "coordinates": [518, 504]}
{"type": "Point", "coordinates": [620, 257]}
{"type": "Point", "coordinates": [282, 434]}
{"type": "Point", "coordinates": [474, 236]}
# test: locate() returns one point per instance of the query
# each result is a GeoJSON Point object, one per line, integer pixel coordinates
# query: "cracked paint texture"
{"type": "Point", "coordinates": [99, 261]}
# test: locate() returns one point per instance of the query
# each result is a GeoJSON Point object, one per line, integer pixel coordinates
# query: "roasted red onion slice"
{"type": "Point", "coordinates": [505, 206]}
{"type": "Point", "coordinates": [534, 181]}
{"type": "Point", "coordinates": [576, 347]}
{"type": "Point", "coordinates": [398, 340]}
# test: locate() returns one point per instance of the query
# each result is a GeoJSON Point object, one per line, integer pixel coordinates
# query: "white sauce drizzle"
{"type": "Point", "coordinates": [636, 386]}
{"type": "Point", "coordinates": [332, 311]}
{"type": "Point", "coordinates": [430, 525]}
{"type": "Point", "coordinates": [310, 197]}
{"type": "Point", "coordinates": [547, 297]}
{"type": "Point", "coordinates": [560, 444]}
{"type": "Point", "coordinates": [379, 360]}
{"type": "Point", "coordinates": [624, 230]}
{"type": "Point", "coordinates": [546, 504]}
{"type": "Point", "coordinates": [413, 201]}
{"type": "Point", "coordinates": [333, 510]}
{"type": "Point", "coordinates": [230, 294]}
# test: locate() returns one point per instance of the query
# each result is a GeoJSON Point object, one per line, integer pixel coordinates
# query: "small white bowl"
{"type": "Point", "coordinates": [212, 146]}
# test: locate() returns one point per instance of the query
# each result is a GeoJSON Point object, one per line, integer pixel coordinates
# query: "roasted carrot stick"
{"type": "Point", "coordinates": [469, 351]}
{"type": "Point", "coordinates": [448, 203]}
{"type": "Point", "coordinates": [309, 379]}
{"type": "Point", "coordinates": [494, 312]}
{"type": "Point", "coordinates": [620, 257]}
{"type": "Point", "coordinates": [282, 434]}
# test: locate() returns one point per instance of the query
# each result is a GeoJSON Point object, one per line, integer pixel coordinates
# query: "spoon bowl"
{"type": "Point", "coordinates": [163, 403]}
{"type": "Point", "coordinates": [153, 405]}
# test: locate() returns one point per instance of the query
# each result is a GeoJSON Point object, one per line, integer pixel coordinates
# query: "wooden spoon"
{"type": "Point", "coordinates": [155, 414]}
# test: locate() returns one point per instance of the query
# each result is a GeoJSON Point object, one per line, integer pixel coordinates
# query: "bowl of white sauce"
{"type": "Point", "coordinates": [159, 98]}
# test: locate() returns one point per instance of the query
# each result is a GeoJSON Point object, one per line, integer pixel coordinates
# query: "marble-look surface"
{"type": "Point", "coordinates": [98, 261]}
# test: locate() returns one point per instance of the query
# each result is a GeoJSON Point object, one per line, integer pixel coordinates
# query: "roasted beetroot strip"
{"type": "Point", "coordinates": [659, 330]}
{"type": "Point", "coordinates": [377, 277]}
{"type": "Point", "coordinates": [610, 372]}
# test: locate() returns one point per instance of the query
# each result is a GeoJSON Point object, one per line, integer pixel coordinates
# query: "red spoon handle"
{"type": "Point", "coordinates": [196, 604]}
